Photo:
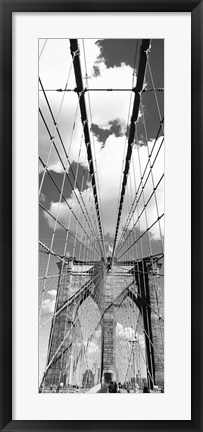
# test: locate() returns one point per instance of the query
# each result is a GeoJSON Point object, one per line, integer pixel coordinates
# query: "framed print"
{"type": "Point", "coordinates": [101, 293]}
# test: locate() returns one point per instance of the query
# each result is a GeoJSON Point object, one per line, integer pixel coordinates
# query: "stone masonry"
{"type": "Point", "coordinates": [151, 308]}
{"type": "Point", "coordinates": [107, 287]}
{"type": "Point", "coordinates": [69, 283]}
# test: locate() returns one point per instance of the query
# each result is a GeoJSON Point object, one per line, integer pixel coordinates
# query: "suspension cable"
{"type": "Point", "coordinates": [80, 91]}
{"type": "Point", "coordinates": [139, 85]}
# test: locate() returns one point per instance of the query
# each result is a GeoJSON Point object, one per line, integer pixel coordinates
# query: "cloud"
{"type": "Point", "coordinates": [114, 127]}
{"type": "Point", "coordinates": [91, 347]}
{"type": "Point", "coordinates": [109, 178]}
{"type": "Point", "coordinates": [115, 51]}
{"type": "Point", "coordinates": [154, 171]}
{"type": "Point", "coordinates": [96, 70]}
{"type": "Point", "coordinates": [110, 106]}
{"type": "Point", "coordinates": [42, 197]}
{"type": "Point", "coordinates": [108, 122]}
{"type": "Point", "coordinates": [100, 133]}
{"type": "Point", "coordinates": [104, 109]}
{"type": "Point", "coordinates": [65, 211]}
{"type": "Point", "coordinates": [127, 333]}
{"type": "Point", "coordinates": [48, 304]}
{"type": "Point", "coordinates": [52, 293]}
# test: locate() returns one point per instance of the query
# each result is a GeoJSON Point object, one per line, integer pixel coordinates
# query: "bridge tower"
{"type": "Point", "coordinates": [100, 282]}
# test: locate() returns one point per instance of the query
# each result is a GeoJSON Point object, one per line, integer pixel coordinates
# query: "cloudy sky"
{"type": "Point", "coordinates": [106, 64]}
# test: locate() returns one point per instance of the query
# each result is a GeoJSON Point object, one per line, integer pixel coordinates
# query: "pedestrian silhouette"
{"type": "Point", "coordinates": [145, 389]}
{"type": "Point", "coordinates": [113, 387]}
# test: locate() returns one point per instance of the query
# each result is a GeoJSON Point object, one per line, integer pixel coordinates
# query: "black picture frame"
{"type": "Point", "coordinates": [195, 7]}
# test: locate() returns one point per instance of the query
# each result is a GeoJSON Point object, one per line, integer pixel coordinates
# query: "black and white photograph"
{"type": "Point", "coordinates": [101, 216]}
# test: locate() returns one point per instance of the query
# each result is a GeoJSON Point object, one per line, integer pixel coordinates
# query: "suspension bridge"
{"type": "Point", "coordinates": [101, 212]}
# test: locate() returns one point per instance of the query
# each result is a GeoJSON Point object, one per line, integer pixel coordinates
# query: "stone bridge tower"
{"type": "Point", "coordinates": [101, 283]}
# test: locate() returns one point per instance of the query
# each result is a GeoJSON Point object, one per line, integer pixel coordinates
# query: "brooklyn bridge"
{"type": "Point", "coordinates": [101, 215]}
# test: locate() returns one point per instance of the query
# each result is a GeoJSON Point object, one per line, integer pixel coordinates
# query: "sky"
{"type": "Point", "coordinates": [105, 63]}
{"type": "Point", "coordinates": [113, 61]}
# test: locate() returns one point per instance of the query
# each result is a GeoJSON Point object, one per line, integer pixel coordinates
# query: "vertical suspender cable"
{"type": "Point", "coordinates": [80, 91]}
{"type": "Point", "coordinates": [137, 90]}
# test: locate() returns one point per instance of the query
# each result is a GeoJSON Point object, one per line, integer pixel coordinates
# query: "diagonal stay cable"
{"type": "Point", "coordinates": [66, 201]}
{"type": "Point", "coordinates": [141, 235]}
{"type": "Point", "coordinates": [64, 149]}
{"type": "Point", "coordinates": [55, 121]}
{"type": "Point", "coordinates": [42, 49]}
{"type": "Point", "coordinates": [71, 299]}
{"type": "Point", "coordinates": [139, 85]}
{"type": "Point", "coordinates": [143, 210]}
{"type": "Point", "coordinates": [61, 344]}
{"type": "Point", "coordinates": [135, 201]}
{"type": "Point", "coordinates": [61, 224]}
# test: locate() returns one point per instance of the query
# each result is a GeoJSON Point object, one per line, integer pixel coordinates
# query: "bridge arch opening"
{"type": "Point", "coordinates": [131, 361]}
{"type": "Point", "coordinates": [84, 363]}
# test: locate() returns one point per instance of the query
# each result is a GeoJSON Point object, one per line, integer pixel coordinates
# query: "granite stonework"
{"type": "Point", "coordinates": [108, 288]}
